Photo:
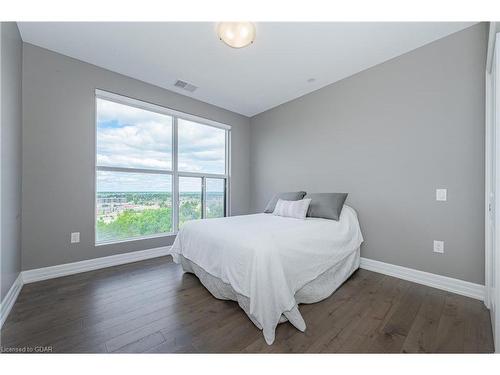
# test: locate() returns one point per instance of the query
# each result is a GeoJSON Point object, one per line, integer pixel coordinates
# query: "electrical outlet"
{"type": "Point", "coordinates": [441, 195]}
{"type": "Point", "coordinates": [75, 237]}
{"type": "Point", "coordinates": [439, 247]}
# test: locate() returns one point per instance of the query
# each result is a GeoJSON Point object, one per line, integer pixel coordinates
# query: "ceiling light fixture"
{"type": "Point", "coordinates": [236, 34]}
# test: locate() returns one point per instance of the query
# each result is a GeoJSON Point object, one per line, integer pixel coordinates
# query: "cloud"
{"type": "Point", "coordinates": [201, 148]}
{"type": "Point", "coordinates": [135, 138]}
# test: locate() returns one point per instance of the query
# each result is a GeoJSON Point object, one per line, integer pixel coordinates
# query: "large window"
{"type": "Point", "coordinates": [155, 169]}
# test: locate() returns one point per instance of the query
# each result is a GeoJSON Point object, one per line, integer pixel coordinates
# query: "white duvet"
{"type": "Point", "coordinates": [268, 258]}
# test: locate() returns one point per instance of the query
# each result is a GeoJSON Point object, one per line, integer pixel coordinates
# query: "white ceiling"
{"type": "Point", "coordinates": [273, 70]}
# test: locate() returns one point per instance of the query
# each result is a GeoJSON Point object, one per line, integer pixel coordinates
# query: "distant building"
{"type": "Point", "coordinates": [106, 205]}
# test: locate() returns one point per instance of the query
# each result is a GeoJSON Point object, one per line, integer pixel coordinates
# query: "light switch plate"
{"type": "Point", "coordinates": [75, 237]}
{"type": "Point", "coordinates": [441, 194]}
{"type": "Point", "coordinates": [439, 247]}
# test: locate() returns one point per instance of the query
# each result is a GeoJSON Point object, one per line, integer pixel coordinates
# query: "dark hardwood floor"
{"type": "Point", "coordinates": [151, 306]}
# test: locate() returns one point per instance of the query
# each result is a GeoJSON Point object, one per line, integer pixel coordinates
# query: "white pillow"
{"type": "Point", "coordinates": [297, 209]}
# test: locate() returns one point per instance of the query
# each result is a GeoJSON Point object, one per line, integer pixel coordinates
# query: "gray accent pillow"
{"type": "Point", "coordinates": [290, 196]}
{"type": "Point", "coordinates": [326, 205]}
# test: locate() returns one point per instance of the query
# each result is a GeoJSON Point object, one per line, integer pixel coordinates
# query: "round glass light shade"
{"type": "Point", "coordinates": [236, 34]}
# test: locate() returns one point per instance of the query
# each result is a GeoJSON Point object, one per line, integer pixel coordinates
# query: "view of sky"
{"type": "Point", "coordinates": [201, 148]}
{"type": "Point", "coordinates": [214, 185]}
{"type": "Point", "coordinates": [130, 137]}
{"type": "Point", "coordinates": [125, 182]}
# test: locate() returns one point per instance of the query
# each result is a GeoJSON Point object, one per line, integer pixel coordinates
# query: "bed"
{"type": "Point", "coordinates": [270, 264]}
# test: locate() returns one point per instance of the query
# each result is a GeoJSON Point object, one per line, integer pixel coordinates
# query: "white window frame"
{"type": "Point", "coordinates": [174, 172]}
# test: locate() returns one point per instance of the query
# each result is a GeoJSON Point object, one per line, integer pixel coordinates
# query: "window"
{"type": "Point", "coordinates": [156, 169]}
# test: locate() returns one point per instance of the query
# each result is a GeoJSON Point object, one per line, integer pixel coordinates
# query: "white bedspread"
{"type": "Point", "coordinates": [268, 258]}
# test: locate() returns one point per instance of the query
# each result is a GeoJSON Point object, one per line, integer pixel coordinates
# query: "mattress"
{"type": "Point", "coordinates": [314, 291]}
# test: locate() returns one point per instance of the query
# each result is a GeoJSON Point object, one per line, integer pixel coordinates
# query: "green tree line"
{"type": "Point", "coordinates": [130, 223]}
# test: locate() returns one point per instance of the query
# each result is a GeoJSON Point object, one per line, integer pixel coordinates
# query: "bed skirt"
{"type": "Point", "coordinates": [314, 291]}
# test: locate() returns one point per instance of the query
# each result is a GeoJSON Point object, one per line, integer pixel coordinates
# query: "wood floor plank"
{"type": "Point", "coordinates": [422, 334]}
{"type": "Point", "coordinates": [58, 302]}
{"type": "Point", "coordinates": [118, 325]}
{"type": "Point", "coordinates": [391, 334]}
{"type": "Point", "coordinates": [478, 337]}
{"type": "Point", "coordinates": [129, 331]}
{"type": "Point", "coordinates": [228, 335]}
{"type": "Point", "coordinates": [372, 317]}
{"type": "Point", "coordinates": [173, 346]}
{"type": "Point", "coordinates": [151, 306]}
{"type": "Point", "coordinates": [344, 321]}
{"type": "Point", "coordinates": [107, 278]}
{"type": "Point", "coordinates": [95, 309]}
{"type": "Point", "coordinates": [215, 313]}
{"type": "Point", "coordinates": [184, 313]}
{"type": "Point", "coordinates": [98, 313]}
{"type": "Point", "coordinates": [142, 345]}
{"type": "Point", "coordinates": [451, 330]}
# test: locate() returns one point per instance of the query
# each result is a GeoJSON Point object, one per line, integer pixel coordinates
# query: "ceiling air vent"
{"type": "Point", "coordinates": [185, 86]}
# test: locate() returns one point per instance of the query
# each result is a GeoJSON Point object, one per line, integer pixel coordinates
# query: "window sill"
{"type": "Point", "coordinates": [112, 242]}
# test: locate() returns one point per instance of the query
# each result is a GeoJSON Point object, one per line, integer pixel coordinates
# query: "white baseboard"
{"type": "Point", "coordinates": [39, 274]}
{"type": "Point", "coordinates": [10, 298]}
{"type": "Point", "coordinates": [449, 284]}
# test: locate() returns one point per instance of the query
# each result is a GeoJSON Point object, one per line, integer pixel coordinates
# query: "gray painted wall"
{"type": "Point", "coordinates": [390, 136]}
{"type": "Point", "coordinates": [59, 148]}
{"type": "Point", "coordinates": [11, 122]}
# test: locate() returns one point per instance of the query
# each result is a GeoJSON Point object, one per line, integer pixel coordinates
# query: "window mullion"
{"type": "Point", "coordinates": [226, 197]}
{"type": "Point", "coordinates": [201, 174]}
{"type": "Point", "coordinates": [203, 197]}
{"type": "Point", "coordinates": [133, 170]}
{"type": "Point", "coordinates": [175, 176]}
{"type": "Point", "coordinates": [227, 182]}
